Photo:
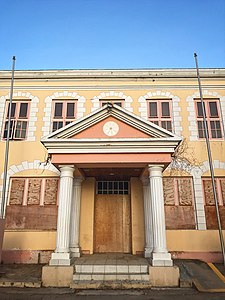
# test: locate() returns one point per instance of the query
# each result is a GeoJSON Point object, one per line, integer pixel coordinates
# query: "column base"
{"type": "Point", "coordinates": [60, 259]}
{"type": "Point", "coordinates": [148, 252]}
{"type": "Point", "coordinates": [75, 252]}
{"type": "Point", "coordinates": [161, 260]}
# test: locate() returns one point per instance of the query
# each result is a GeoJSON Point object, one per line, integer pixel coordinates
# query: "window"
{"type": "Point", "coordinates": [159, 113]}
{"type": "Point", "coordinates": [178, 191]}
{"type": "Point", "coordinates": [19, 120]}
{"type": "Point", "coordinates": [33, 191]}
{"type": "Point", "coordinates": [213, 118]}
{"type": "Point", "coordinates": [63, 113]}
{"type": "Point", "coordinates": [113, 101]}
{"type": "Point", "coordinates": [113, 187]}
{"type": "Point", "coordinates": [208, 190]}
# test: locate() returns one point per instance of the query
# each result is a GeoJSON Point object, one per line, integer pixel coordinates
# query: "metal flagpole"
{"type": "Point", "coordinates": [4, 198]}
{"type": "Point", "coordinates": [210, 162]}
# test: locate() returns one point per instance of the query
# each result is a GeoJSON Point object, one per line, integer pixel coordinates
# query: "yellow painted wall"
{"type": "Point", "coordinates": [87, 215]}
{"type": "Point", "coordinates": [29, 240]}
{"type": "Point", "coordinates": [193, 240]}
{"type": "Point", "coordinates": [137, 216]}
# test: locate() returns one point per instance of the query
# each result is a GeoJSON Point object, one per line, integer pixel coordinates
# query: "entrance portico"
{"type": "Point", "coordinates": [111, 138]}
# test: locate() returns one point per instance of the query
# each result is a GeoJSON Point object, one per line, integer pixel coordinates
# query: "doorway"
{"type": "Point", "coordinates": [112, 225]}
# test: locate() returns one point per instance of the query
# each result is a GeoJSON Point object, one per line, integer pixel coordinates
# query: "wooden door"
{"type": "Point", "coordinates": [112, 231]}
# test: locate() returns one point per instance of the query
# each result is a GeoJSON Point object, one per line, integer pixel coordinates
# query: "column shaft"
{"type": "Point", "coordinates": [160, 255]}
{"type": "Point", "coordinates": [75, 218]}
{"type": "Point", "coordinates": [148, 218]}
{"type": "Point", "coordinates": [62, 254]}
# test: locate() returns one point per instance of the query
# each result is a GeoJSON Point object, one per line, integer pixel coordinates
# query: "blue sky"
{"type": "Point", "coordinates": [111, 34]}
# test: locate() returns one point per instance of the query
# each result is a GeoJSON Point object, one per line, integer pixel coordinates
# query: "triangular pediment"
{"type": "Point", "coordinates": [111, 129]}
{"type": "Point", "coordinates": [92, 126]}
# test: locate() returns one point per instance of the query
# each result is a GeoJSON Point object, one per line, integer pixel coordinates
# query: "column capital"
{"type": "Point", "coordinates": [77, 181]}
{"type": "Point", "coordinates": [155, 170]}
{"type": "Point", "coordinates": [66, 170]}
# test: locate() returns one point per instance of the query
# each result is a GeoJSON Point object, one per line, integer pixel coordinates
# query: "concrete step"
{"type": "Point", "coordinates": [111, 269]}
{"type": "Point", "coordinates": [110, 277]}
{"type": "Point", "coordinates": [110, 284]}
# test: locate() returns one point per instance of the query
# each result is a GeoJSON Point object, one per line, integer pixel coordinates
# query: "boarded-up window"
{"type": "Point", "coordinates": [185, 191]}
{"type": "Point", "coordinates": [168, 190]}
{"type": "Point", "coordinates": [34, 191]}
{"type": "Point", "coordinates": [17, 190]}
{"type": "Point", "coordinates": [208, 192]}
{"type": "Point", "coordinates": [51, 190]}
{"type": "Point", "coordinates": [178, 191]}
{"type": "Point", "coordinates": [179, 202]}
{"type": "Point", "coordinates": [222, 184]}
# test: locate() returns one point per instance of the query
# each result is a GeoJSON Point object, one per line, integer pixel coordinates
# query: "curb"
{"type": "Point", "coordinates": [20, 284]}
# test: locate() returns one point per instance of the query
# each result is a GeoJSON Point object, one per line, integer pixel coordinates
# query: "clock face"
{"type": "Point", "coordinates": [111, 128]}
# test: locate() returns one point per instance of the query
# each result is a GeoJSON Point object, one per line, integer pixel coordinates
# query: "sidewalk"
{"type": "Point", "coordinates": [205, 277]}
{"type": "Point", "coordinates": [20, 275]}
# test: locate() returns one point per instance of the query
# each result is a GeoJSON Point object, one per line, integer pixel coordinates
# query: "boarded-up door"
{"type": "Point", "coordinates": [112, 224]}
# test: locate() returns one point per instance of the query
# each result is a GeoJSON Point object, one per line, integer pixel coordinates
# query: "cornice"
{"type": "Point", "coordinates": [109, 74]}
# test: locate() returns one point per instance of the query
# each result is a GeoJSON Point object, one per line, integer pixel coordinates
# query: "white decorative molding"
{"type": "Point", "coordinates": [176, 109]}
{"type": "Point", "coordinates": [127, 100]}
{"type": "Point", "coordinates": [192, 114]}
{"type": "Point", "coordinates": [46, 129]}
{"type": "Point", "coordinates": [33, 111]}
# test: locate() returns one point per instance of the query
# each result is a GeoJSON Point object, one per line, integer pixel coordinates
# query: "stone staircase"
{"type": "Point", "coordinates": [112, 271]}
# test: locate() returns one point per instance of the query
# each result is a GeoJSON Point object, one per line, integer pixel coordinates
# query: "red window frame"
{"type": "Point", "coordinates": [214, 123]}
{"type": "Point", "coordinates": [159, 119]}
{"type": "Point", "coordinates": [59, 121]}
{"type": "Point", "coordinates": [119, 102]}
{"type": "Point", "coordinates": [18, 124]}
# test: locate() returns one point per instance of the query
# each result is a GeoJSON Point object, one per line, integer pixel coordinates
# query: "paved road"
{"type": "Point", "coordinates": [67, 294]}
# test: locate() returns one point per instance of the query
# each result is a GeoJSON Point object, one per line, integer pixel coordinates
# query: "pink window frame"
{"type": "Point", "coordinates": [64, 118]}
{"type": "Point", "coordinates": [16, 118]}
{"type": "Point", "coordinates": [159, 117]}
{"type": "Point", "coordinates": [111, 101]}
{"type": "Point", "coordinates": [208, 117]}
{"type": "Point", "coordinates": [219, 189]}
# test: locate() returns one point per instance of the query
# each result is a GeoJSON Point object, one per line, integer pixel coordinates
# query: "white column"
{"type": "Point", "coordinates": [75, 218]}
{"type": "Point", "coordinates": [148, 217]}
{"type": "Point", "coordinates": [160, 255]}
{"type": "Point", "coordinates": [61, 256]}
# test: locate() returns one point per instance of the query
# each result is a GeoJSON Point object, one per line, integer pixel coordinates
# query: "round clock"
{"type": "Point", "coordinates": [111, 128]}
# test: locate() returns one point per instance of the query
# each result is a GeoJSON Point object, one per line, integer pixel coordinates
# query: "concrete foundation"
{"type": "Point", "coordinates": [57, 276]}
{"type": "Point", "coordinates": [164, 276]}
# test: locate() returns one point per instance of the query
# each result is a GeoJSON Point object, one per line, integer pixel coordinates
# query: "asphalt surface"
{"type": "Point", "coordinates": [68, 294]}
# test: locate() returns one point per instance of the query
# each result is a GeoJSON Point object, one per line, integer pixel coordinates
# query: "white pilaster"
{"type": "Point", "coordinates": [148, 217]}
{"type": "Point", "coordinates": [75, 218]}
{"type": "Point", "coordinates": [160, 255]}
{"type": "Point", "coordinates": [61, 256]}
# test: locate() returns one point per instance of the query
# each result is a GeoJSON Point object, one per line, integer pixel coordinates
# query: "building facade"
{"type": "Point", "coordinates": [112, 161]}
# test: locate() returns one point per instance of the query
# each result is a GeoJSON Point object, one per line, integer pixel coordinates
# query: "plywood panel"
{"type": "Point", "coordinates": [112, 223]}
